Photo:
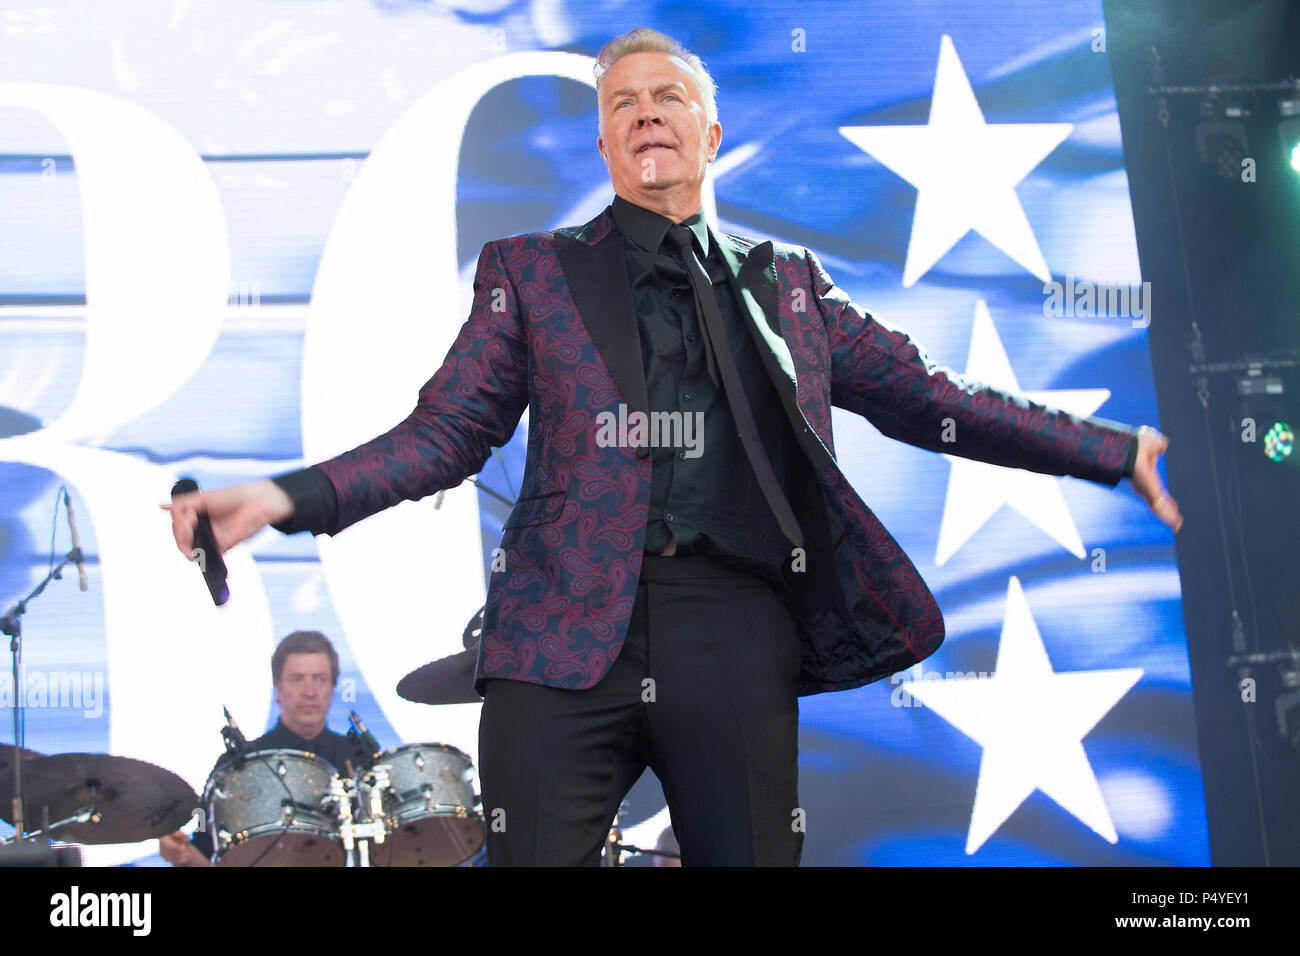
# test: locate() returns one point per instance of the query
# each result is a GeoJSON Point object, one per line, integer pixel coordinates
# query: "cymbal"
{"type": "Point", "coordinates": [133, 799]}
{"type": "Point", "coordinates": [7, 776]}
{"type": "Point", "coordinates": [7, 766]}
{"type": "Point", "coordinates": [448, 680]}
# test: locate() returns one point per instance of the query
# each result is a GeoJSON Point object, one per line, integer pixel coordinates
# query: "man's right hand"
{"type": "Point", "coordinates": [236, 513]}
{"type": "Point", "coordinates": [177, 850]}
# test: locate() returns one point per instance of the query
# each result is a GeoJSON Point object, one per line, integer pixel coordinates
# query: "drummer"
{"type": "Point", "coordinates": [304, 671]}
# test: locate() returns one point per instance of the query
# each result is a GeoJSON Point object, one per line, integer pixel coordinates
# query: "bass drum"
{"type": "Point", "coordinates": [273, 809]}
{"type": "Point", "coordinates": [431, 811]}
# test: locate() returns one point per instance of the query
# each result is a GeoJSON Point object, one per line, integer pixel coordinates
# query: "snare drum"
{"type": "Point", "coordinates": [429, 806]}
{"type": "Point", "coordinates": [274, 809]}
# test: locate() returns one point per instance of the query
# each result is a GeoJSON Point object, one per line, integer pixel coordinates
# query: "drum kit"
{"type": "Point", "coordinates": [412, 805]}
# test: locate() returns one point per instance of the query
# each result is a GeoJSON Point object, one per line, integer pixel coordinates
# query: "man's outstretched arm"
{"type": "Point", "coordinates": [471, 405]}
{"type": "Point", "coordinates": [880, 373]}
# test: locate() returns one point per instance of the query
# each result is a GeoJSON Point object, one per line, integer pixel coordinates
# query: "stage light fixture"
{"type": "Point", "coordinates": [1288, 130]}
{"type": "Point", "coordinates": [1279, 440]}
{"type": "Point", "coordinates": [1221, 136]}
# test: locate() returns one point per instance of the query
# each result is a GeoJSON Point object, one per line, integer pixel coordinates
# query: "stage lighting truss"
{"type": "Point", "coordinates": [1225, 110]}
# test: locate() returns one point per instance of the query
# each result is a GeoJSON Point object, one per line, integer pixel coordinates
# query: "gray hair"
{"type": "Point", "coordinates": [646, 40]}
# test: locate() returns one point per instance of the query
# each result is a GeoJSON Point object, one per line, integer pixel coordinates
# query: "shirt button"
{"type": "Point", "coordinates": [686, 396]}
{"type": "Point", "coordinates": [681, 456]}
{"type": "Point", "coordinates": [668, 516]}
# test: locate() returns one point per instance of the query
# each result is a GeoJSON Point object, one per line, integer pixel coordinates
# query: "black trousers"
{"type": "Point", "coordinates": [703, 692]}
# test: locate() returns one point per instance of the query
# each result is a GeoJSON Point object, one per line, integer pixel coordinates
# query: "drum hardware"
{"type": "Point", "coordinates": [343, 804]}
{"type": "Point", "coordinates": [97, 798]}
{"type": "Point", "coordinates": [363, 741]}
{"type": "Point", "coordinates": [11, 625]}
{"type": "Point", "coordinates": [376, 791]}
{"type": "Point", "coordinates": [83, 815]}
{"type": "Point", "coordinates": [627, 849]}
{"type": "Point", "coordinates": [357, 837]}
{"type": "Point", "coordinates": [614, 852]}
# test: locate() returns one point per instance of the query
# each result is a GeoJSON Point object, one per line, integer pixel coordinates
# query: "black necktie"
{"type": "Point", "coordinates": [718, 354]}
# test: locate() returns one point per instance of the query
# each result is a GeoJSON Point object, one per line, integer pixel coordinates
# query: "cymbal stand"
{"type": "Point", "coordinates": [83, 815]}
{"type": "Point", "coordinates": [12, 624]}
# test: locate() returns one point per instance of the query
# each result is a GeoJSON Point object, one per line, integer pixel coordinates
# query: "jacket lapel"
{"type": "Point", "coordinates": [753, 279]}
{"type": "Point", "coordinates": [758, 294]}
{"type": "Point", "coordinates": [602, 294]}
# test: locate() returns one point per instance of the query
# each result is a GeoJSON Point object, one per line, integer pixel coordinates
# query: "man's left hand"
{"type": "Point", "coordinates": [1151, 445]}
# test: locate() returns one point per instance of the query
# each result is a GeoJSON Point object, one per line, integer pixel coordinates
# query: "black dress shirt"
{"type": "Point", "coordinates": [703, 493]}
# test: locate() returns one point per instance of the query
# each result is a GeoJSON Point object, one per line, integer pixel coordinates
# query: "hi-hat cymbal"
{"type": "Point", "coordinates": [449, 680]}
{"type": "Point", "coordinates": [132, 799]}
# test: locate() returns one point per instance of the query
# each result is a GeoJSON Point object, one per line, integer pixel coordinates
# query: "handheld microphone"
{"type": "Point", "coordinates": [209, 555]}
{"type": "Point", "coordinates": [77, 556]}
{"type": "Point", "coordinates": [366, 737]}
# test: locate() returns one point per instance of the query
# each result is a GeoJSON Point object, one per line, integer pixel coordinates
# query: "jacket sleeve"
{"type": "Point", "coordinates": [879, 372]}
{"type": "Point", "coordinates": [315, 505]}
{"type": "Point", "coordinates": [471, 405]}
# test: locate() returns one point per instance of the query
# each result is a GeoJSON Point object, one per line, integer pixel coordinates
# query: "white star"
{"type": "Point", "coordinates": [965, 172]}
{"type": "Point", "coordinates": [976, 490]}
{"type": "Point", "coordinates": [1031, 722]}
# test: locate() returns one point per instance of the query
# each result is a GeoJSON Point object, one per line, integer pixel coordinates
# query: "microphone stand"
{"type": "Point", "coordinates": [12, 625]}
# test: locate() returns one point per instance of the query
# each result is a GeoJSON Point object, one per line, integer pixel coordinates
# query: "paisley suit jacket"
{"type": "Point", "coordinates": [553, 329]}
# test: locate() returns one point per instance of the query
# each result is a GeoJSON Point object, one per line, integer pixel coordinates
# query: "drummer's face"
{"type": "Point", "coordinates": [304, 691]}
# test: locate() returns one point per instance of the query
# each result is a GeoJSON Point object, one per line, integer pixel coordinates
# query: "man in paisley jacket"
{"type": "Point", "coordinates": [659, 606]}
